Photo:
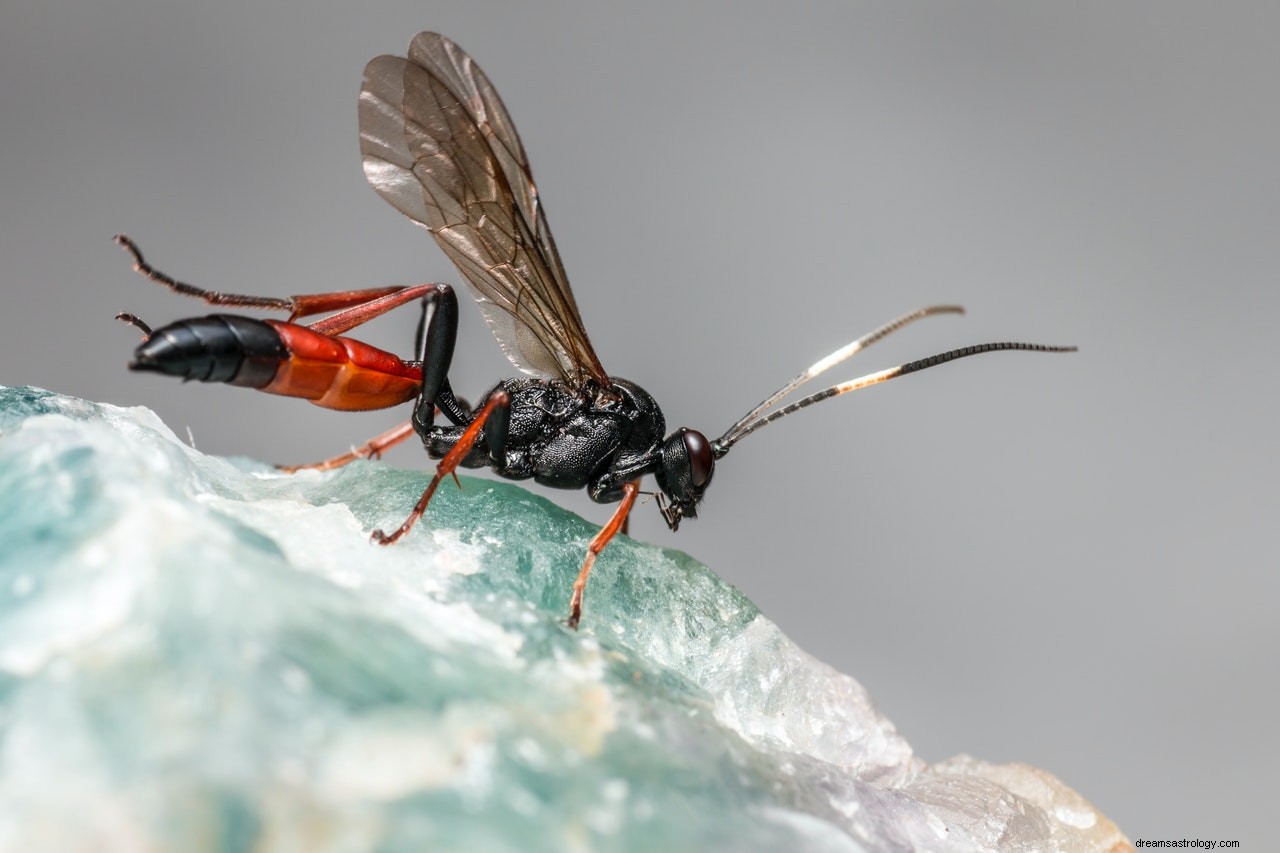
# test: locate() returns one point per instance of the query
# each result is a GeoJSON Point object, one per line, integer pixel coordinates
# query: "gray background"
{"type": "Point", "coordinates": [1064, 560]}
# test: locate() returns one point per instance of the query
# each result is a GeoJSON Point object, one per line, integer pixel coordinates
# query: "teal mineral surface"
{"type": "Point", "coordinates": [205, 654]}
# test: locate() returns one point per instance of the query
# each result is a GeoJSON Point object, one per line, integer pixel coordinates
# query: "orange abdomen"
{"type": "Point", "coordinates": [340, 373]}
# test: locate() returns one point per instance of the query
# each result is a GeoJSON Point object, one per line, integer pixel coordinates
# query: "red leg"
{"type": "Point", "coordinates": [626, 526]}
{"type": "Point", "coordinates": [629, 492]}
{"type": "Point", "coordinates": [310, 304]}
{"type": "Point", "coordinates": [363, 305]}
{"type": "Point", "coordinates": [363, 312]}
{"type": "Point", "coordinates": [371, 449]}
{"type": "Point", "coordinates": [448, 465]}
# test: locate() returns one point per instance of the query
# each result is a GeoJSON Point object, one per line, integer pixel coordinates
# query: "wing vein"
{"type": "Point", "coordinates": [440, 147]}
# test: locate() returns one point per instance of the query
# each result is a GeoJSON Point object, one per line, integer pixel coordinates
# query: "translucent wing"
{"type": "Point", "coordinates": [440, 147]}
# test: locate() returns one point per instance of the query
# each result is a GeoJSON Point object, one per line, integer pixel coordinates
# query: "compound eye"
{"type": "Point", "coordinates": [701, 461]}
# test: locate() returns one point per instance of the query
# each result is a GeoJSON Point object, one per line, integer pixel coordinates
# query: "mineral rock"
{"type": "Point", "coordinates": [205, 654]}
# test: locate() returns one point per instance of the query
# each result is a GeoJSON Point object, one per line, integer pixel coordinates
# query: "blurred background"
{"type": "Point", "coordinates": [1065, 560]}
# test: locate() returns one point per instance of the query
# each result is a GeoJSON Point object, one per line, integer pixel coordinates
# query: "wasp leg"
{"type": "Point", "coordinates": [626, 521]}
{"type": "Point", "coordinates": [436, 336]}
{"type": "Point", "coordinates": [358, 310]}
{"type": "Point", "coordinates": [437, 333]}
{"type": "Point", "coordinates": [371, 449]}
{"type": "Point", "coordinates": [499, 401]}
{"type": "Point", "coordinates": [364, 304]}
{"type": "Point", "coordinates": [629, 493]}
{"type": "Point", "coordinates": [210, 296]}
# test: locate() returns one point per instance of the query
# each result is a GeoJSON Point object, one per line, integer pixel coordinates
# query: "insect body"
{"type": "Point", "coordinates": [439, 145]}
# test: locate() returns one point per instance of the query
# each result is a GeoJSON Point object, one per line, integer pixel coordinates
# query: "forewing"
{"type": "Point", "coordinates": [440, 147]}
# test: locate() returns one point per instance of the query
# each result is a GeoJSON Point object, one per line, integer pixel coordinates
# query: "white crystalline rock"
{"type": "Point", "coordinates": [200, 655]}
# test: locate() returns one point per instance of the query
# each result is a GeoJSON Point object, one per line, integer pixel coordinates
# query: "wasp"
{"type": "Point", "coordinates": [440, 147]}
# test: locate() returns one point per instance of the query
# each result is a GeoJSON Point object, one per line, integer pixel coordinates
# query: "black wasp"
{"type": "Point", "coordinates": [440, 147]}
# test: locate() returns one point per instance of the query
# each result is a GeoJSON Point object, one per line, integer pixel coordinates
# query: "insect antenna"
{"type": "Point", "coordinates": [755, 420]}
{"type": "Point", "coordinates": [822, 365]}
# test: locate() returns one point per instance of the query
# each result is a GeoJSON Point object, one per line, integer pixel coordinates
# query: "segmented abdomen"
{"type": "Point", "coordinates": [280, 358]}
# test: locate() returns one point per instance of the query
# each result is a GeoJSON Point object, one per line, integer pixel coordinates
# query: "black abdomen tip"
{"type": "Point", "coordinates": [218, 348]}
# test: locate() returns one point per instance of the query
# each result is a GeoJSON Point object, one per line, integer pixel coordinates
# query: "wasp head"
{"type": "Point", "coordinates": [687, 465]}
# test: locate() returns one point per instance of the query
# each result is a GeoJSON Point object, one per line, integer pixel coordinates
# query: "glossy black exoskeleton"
{"type": "Point", "coordinates": [566, 439]}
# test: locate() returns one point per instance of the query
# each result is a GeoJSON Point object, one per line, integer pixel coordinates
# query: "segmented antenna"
{"type": "Point", "coordinates": [754, 420]}
{"type": "Point", "coordinates": [822, 365]}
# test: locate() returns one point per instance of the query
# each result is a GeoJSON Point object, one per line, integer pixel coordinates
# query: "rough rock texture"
{"type": "Point", "coordinates": [197, 654]}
